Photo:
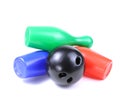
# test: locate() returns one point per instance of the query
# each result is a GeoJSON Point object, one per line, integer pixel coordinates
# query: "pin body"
{"type": "Point", "coordinates": [31, 65]}
{"type": "Point", "coordinates": [49, 38]}
{"type": "Point", "coordinates": [96, 65]}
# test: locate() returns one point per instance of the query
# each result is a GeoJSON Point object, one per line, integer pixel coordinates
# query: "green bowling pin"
{"type": "Point", "coordinates": [48, 38]}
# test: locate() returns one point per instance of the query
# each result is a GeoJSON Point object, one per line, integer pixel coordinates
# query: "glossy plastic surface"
{"type": "Point", "coordinates": [96, 65]}
{"type": "Point", "coordinates": [65, 65]}
{"type": "Point", "coordinates": [31, 65]}
{"type": "Point", "coordinates": [49, 38]}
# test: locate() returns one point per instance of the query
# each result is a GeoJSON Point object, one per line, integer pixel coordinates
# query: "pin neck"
{"type": "Point", "coordinates": [84, 41]}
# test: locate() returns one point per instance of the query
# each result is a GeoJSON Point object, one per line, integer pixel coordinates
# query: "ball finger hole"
{"type": "Point", "coordinates": [77, 61]}
{"type": "Point", "coordinates": [61, 75]}
{"type": "Point", "coordinates": [69, 80]}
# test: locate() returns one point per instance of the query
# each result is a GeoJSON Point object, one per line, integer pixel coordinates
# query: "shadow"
{"type": "Point", "coordinates": [91, 79]}
{"type": "Point", "coordinates": [83, 79]}
{"type": "Point", "coordinates": [36, 80]}
{"type": "Point", "coordinates": [66, 87]}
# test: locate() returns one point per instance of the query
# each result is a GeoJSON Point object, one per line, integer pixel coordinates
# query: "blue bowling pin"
{"type": "Point", "coordinates": [31, 65]}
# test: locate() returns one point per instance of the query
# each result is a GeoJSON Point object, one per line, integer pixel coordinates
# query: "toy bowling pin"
{"type": "Point", "coordinates": [96, 65]}
{"type": "Point", "coordinates": [49, 38]}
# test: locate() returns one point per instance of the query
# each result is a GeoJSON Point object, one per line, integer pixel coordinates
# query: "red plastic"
{"type": "Point", "coordinates": [96, 65]}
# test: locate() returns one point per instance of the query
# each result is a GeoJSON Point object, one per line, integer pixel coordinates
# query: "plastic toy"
{"type": "Point", "coordinates": [65, 65]}
{"type": "Point", "coordinates": [31, 65]}
{"type": "Point", "coordinates": [96, 65]}
{"type": "Point", "coordinates": [49, 38]}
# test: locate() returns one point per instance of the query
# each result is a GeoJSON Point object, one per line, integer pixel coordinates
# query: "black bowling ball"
{"type": "Point", "coordinates": [65, 65]}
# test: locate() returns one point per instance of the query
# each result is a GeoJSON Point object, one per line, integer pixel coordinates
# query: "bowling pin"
{"type": "Point", "coordinates": [96, 65]}
{"type": "Point", "coordinates": [48, 38]}
{"type": "Point", "coordinates": [31, 65]}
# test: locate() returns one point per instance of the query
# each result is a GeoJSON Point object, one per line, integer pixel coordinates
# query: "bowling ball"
{"type": "Point", "coordinates": [65, 65]}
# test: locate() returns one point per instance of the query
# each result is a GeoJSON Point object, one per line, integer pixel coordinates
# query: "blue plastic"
{"type": "Point", "coordinates": [31, 65]}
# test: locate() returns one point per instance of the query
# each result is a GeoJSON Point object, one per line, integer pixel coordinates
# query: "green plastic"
{"type": "Point", "coordinates": [48, 38]}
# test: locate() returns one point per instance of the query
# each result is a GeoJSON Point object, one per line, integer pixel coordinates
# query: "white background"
{"type": "Point", "coordinates": [97, 18]}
